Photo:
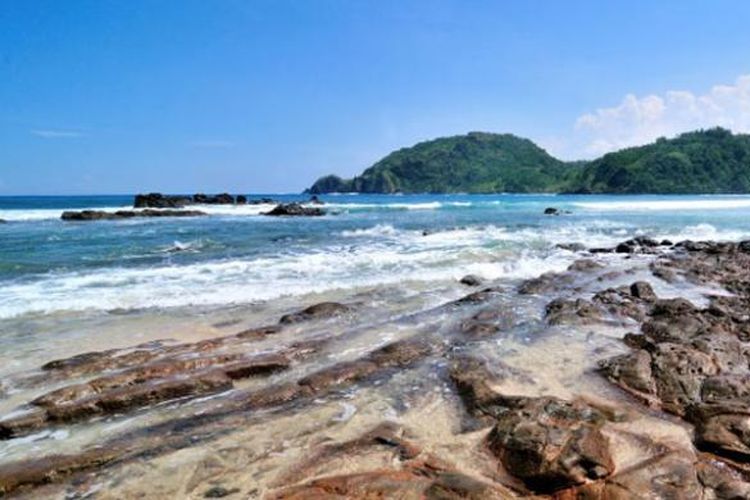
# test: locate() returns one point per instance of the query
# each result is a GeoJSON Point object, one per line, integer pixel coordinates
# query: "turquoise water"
{"type": "Point", "coordinates": [237, 255]}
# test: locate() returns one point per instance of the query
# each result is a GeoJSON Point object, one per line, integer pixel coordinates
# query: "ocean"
{"type": "Point", "coordinates": [236, 255]}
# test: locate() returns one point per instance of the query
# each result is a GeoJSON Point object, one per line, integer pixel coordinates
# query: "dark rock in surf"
{"type": "Point", "coordinates": [158, 200]}
{"type": "Point", "coordinates": [93, 215]}
{"type": "Point", "coordinates": [219, 199]}
{"type": "Point", "coordinates": [241, 199]}
{"type": "Point", "coordinates": [624, 248]}
{"type": "Point", "coordinates": [314, 200]}
{"type": "Point", "coordinates": [471, 280]}
{"type": "Point", "coordinates": [552, 211]}
{"type": "Point", "coordinates": [295, 210]}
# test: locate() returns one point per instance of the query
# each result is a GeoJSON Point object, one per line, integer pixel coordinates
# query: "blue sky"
{"type": "Point", "coordinates": [265, 96]}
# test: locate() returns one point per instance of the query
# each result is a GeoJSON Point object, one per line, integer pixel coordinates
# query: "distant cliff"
{"type": "Point", "coordinates": [707, 161]}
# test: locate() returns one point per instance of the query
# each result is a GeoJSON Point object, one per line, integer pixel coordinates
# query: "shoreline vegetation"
{"type": "Point", "coordinates": [712, 161]}
{"type": "Point", "coordinates": [670, 402]}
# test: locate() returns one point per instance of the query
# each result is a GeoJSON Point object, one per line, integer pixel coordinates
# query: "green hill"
{"type": "Point", "coordinates": [706, 161]}
{"type": "Point", "coordinates": [473, 163]}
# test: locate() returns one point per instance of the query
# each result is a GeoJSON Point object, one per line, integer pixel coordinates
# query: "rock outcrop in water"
{"type": "Point", "coordinates": [158, 200]}
{"type": "Point", "coordinates": [295, 210]}
{"type": "Point", "coordinates": [217, 199]}
{"type": "Point", "coordinates": [91, 215]}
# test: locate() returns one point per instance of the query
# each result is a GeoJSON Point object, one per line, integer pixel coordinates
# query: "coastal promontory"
{"type": "Point", "coordinates": [706, 161]}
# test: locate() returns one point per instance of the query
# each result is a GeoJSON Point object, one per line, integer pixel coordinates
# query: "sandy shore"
{"type": "Point", "coordinates": [625, 376]}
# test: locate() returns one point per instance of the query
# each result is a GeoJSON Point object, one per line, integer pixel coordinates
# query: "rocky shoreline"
{"type": "Point", "coordinates": [671, 419]}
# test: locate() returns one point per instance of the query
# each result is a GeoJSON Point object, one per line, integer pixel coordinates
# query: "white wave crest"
{"type": "Point", "coordinates": [666, 205]}
{"type": "Point", "coordinates": [422, 259]}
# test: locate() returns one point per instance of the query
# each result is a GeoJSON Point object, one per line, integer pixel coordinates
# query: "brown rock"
{"type": "Point", "coordinates": [551, 444]}
{"type": "Point", "coordinates": [324, 310]}
{"type": "Point", "coordinates": [723, 427]}
{"type": "Point", "coordinates": [631, 371]}
{"type": "Point", "coordinates": [478, 297]}
{"type": "Point", "coordinates": [338, 374]}
{"type": "Point", "coordinates": [26, 423]}
{"type": "Point", "coordinates": [643, 291]}
{"type": "Point", "coordinates": [577, 311]}
{"type": "Point", "coordinates": [545, 284]}
{"type": "Point", "coordinates": [670, 475]}
{"type": "Point", "coordinates": [584, 265]}
{"type": "Point", "coordinates": [679, 372]}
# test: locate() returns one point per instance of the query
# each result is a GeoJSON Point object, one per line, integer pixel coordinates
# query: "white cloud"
{"type": "Point", "coordinates": [57, 134]}
{"type": "Point", "coordinates": [640, 120]}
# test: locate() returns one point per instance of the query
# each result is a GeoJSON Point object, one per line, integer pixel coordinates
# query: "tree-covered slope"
{"type": "Point", "coordinates": [473, 163]}
{"type": "Point", "coordinates": [708, 161]}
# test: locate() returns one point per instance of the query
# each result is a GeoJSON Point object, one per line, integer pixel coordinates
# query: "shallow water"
{"type": "Point", "coordinates": [238, 256]}
{"type": "Point", "coordinates": [67, 288]}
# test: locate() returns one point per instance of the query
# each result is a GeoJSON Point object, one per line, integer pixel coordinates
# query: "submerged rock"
{"type": "Point", "coordinates": [324, 310]}
{"type": "Point", "coordinates": [295, 209]}
{"type": "Point", "coordinates": [478, 297]}
{"type": "Point", "coordinates": [546, 283]}
{"type": "Point", "coordinates": [89, 215]}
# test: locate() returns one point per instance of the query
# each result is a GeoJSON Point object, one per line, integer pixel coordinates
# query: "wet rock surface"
{"type": "Point", "coordinates": [679, 431]}
{"type": "Point", "coordinates": [550, 443]}
{"type": "Point", "coordinates": [693, 361]}
{"type": "Point", "coordinates": [324, 310]}
{"type": "Point", "coordinates": [92, 215]}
